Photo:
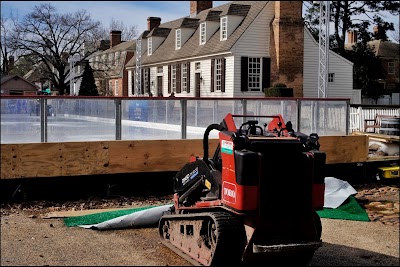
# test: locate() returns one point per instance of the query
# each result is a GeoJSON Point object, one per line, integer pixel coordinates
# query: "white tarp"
{"type": "Point", "coordinates": [336, 192]}
{"type": "Point", "coordinates": [136, 219]}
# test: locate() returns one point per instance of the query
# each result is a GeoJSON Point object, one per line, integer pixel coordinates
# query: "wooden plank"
{"type": "Point", "coordinates": [30, 160]}
{"type": "Point", "coordinates": [383, 158]}
{"type": "Point", "coordinates": [380, 137]}
{"type": "Point", "coordinates": [107, 157]}
{"type": "Point", "coordinates": [154, 155]}
{"type": "Point", "coordinates": [84, 158]}
{"type": "Point", "coordinates": [344, 149]}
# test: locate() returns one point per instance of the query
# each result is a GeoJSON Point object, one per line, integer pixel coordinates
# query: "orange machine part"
{"type": "Point", "coordinates": [238, 197]}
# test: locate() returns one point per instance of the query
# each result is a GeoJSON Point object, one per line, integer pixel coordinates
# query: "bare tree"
{"type": "Point", "coordinates": [396, 33]}
{"type": "Point", "coordinates": [349, 15]}
{"type": "Point", "coordinates": [7, 51]}
{"type": "Point", "coordinates": [52, 38]}
{"type": "Point", "coordinates": [129, 32]}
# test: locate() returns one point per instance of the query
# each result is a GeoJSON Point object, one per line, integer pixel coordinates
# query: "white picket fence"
{"type": "Point", "coordinates": [359, 114]}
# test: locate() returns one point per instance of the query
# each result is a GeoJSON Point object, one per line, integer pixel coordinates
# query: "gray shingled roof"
{"type": "Point", "coordinates": [213, 15]}
{"type": "Point", "coordinates": [161, 32]}
{"type": "Point", "coordinates": [385, 49]}
{"type": "Point", "coordinates": [167, 52]}
{"type": "Point", "coordinates": [238, 10]}
{"type": "Point", "coordinates": [190, 23]}
{"type": "Point", "coordinates": [6, 78]}
{"type": "Point", "coordinates": [124, 46]}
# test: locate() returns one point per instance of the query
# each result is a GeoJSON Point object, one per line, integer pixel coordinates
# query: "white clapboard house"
{"type": "Point", "coordinates": [234, 50]}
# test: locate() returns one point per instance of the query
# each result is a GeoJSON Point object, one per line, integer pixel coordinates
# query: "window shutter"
{"type": "Point", "coordinates": [178, 78]}
{"type": "Point", "coordinates": [169, 79]}
{"type": "Point", "coordinates": [212, 74]}
{"type": "Point", "coordinates": [244, 74]}
{"type": "Point", "coordinates": [266, 74]}
{"type": "Point", "coordinates": [223, 64]}
{"type": "Point", "coordinates": [188, 77]}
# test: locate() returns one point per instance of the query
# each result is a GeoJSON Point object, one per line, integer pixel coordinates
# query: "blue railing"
{"type": "Point", "coordinates": [31, 119]}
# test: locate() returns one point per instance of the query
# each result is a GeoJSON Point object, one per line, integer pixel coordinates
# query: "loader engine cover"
{"type": "Point", "coordinates": [190, 174]}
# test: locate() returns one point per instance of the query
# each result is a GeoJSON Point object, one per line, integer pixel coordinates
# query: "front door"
{"type": "Point", "coordinates": [159, 86]}
{"type": "Point", "coordinates": [197, 84]}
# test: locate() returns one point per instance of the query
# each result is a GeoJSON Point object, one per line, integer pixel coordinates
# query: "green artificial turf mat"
{"type": "Point", "coordinates": [100, 217]}
{"type": "Point", "coordinates": [349, 210]}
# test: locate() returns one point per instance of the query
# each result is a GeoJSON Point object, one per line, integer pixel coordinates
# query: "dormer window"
{"type": "Point", "coordinates": [111, 58]}
{"type": "Point", "coordinates": [150, 46]}
{"type": "Point", "coordinates": [178, 39]}
{"type": "Point", "coordinates": [202, 33]}
{"type": "Point", "coordinates": [116, 58]}
{"type": "Point", "coordinates": [224, 28]}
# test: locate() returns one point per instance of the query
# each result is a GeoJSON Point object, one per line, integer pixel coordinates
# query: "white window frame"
{"type": "Point", "coordinates": [391, 68]}
{"type": "Point", "coordinates": [150, 46]}
{"type": "Point", "coordinates": [254, 72]}
{"type": "Point", "coordinates": [224, 28]}
{"type": "Point", "coordinates": [218, 74]}
{"type": "Point", "coordinates": [197, 66]}
{"type": "Point", "coordinates": [111, 58]}
{"type": "Point", "coordinates": [202, 33]}
{"type": "Point", "coordinates": [96, 61]}
{"type": "Point", "coordinates": [116, 87]}
{"type": "Point", "coordinates": [117, 56]}
{"type": "Point", "coordinates": [173, 78]}
{"type": "Point", "coordinates": [178, 39]}
{"type": "Point", "coordinates": [184, 77]}
{"type": "Point", "coordinates": [331, 77]}
{"type": "Point", "coordinates": [160, 70]}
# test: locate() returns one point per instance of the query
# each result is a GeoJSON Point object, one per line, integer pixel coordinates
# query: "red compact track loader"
{"type": "Point", "coordinates": [254, 200]}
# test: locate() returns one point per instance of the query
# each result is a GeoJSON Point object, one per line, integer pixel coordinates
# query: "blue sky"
{"type": "Point", "coordinates": [130, 12]}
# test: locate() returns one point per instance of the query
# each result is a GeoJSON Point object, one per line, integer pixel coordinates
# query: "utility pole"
{"type": "Point", "coordinates": [323, 67]}
{"type": "Point", "coordinates": [138, 74]}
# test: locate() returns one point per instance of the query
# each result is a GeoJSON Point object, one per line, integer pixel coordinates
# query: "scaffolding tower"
{"type": "Point", "coordinates": [323, 67]}
{"type": "Point", "coordinates": [138, 70]}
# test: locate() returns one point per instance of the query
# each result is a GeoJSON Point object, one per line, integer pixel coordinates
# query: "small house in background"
{"type": "Point", "coordinates": [389, 55]}
{"type": "Point", "coordinates": [16, 85]}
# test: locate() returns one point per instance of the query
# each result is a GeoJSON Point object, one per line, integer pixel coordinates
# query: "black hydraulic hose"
{"type": "Point", "coordinates": [211, 127]}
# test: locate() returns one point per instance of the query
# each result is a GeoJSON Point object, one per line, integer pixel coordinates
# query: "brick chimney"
{"type": "Point", "coordinates": [197, 6]}
{"type": "Point", "coordinates": [351, 37]}
{"type": "Point", "coordinates": [287, 46]}
{"type": "Point", "coordinates": [115, 38]}
{"type": "Point", "coordinates": [153, 22]}
{"type": "Point", "coordinates": [379, 33]}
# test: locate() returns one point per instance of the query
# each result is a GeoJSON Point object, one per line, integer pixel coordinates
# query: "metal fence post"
{"type": "Point", "coordinates": [298, 102]}
{"type": "Point", "coordinates": [183, 118]}
{"type": "Point", "coordinates": [118, 125]}
{"type": "Point", "coordinates": [244, 109]}
{"type": "Point", "coordinates": [347, 116]}
{"type": "Point", "coordinates": [43, 119]}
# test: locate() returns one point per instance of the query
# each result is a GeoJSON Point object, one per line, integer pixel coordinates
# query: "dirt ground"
{"type": "Point", "coordinates": [28, 239]}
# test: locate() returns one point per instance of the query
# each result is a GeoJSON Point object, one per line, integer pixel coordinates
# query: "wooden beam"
{"type": "Point", "coordinates": [30, 160]}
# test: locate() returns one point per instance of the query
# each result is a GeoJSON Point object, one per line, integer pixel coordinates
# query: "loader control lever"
{"type": "Point", "coordinates": [252, 128]}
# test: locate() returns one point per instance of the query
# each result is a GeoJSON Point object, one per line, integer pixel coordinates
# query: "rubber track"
{"type": "Point", "coordinates": [230, 235]}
